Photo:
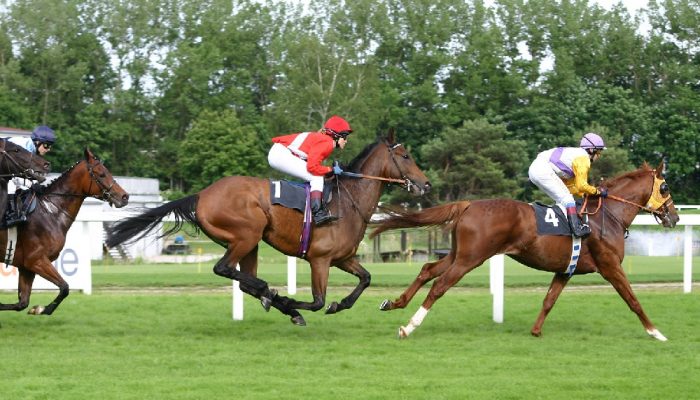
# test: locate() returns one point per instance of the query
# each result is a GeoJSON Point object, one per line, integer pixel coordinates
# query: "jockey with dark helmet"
{"type": "Point", "coordinates": [562, 172]}
{"type": "Point", "coordinates": [302, 154]}
{"type": "Point", "coordinates": [40, 142]}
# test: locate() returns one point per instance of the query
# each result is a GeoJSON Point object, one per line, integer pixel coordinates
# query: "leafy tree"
{"type": "Point", "coordinates": [475, 161]}
{"type": "Point", "coordinates": [217, 146]}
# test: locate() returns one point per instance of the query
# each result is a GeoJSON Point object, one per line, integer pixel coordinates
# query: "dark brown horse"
{"type": "Point", "coordinates": [15, 161]}
{"type": "Point", "coordinates": [483, 228]}
{"type": "Point", "coordinates": [237, 213]}
{"type": "Point", "coordinates": [42, 237]}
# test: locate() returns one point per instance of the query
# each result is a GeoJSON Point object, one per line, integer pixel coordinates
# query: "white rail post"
{"type": "Point", "coordinates": [688, 259]}
{"type": "Point", "coordinates": [497, 271]}
{"type": "Point", "coordinates": [291, 275]}
{"type": "Point", "coordinates": [237, 299]}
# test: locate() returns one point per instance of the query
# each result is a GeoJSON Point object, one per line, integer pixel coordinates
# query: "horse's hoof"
{"type": "Point", "coordinates": [386, 305]}
{"type": "Point", "coordinates": [656, 334]}
{"type": "Point", "coordinates": [298, 320]}
{"type": "Point", "coordinates": [266, 301]}
{"type": "Point", "coordinates": [36, 310]}
{"type": "Point", "coordinates": [536, 334]}
{"type": "Point", "coordinates": [332, 308]}
{"type": "Point", "coordinates": [402, 332]}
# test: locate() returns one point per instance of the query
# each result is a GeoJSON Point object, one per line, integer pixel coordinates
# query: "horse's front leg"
{"type": "Point", "coordinates": [354, 267]}
{"type": "Point", "coordinates": [555, 288]}
{"type": "Point", "coordinates": [46, 270]}
{"type": "Point", "coordinates": [319, 283]}
{"type": "Point", "coordinates": [614, 274]}
{"type": "Point", "coordinates": [429, 272]}
{"type": "Point", "coordinates": [24, 291]}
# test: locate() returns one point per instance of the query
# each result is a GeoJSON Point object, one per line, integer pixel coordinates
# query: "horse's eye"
{"type": "Point", "coordinates": [406, 156]}
{"type": "Point", "coordinates": [664, 189]}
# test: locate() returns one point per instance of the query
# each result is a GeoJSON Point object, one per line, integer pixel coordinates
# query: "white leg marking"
{"type": "Point", "coordinates": [656, 334]}
{"type": "Point", "coordinates": [413, 323]}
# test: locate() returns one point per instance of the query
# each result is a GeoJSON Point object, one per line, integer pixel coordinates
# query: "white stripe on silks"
{"type": "Point", "coordinates": [11, 245]}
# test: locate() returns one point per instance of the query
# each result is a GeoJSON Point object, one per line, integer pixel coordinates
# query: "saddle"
{"type": "Point", "coordinates": [292, 194]}
{"type": "Point", "coordinates": [296, 195]}
{"type": "Point", "coordinates": [19, 206]}
{"type": "Point", "coordinates": [551, 219]}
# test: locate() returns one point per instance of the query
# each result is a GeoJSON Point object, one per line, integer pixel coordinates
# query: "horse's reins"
{"type": "Point", "coordinates": [25, 173]}
{"type": "Point", "coordinates": [406, 181]}
{"type": "Point", "coordinates": [655, 212]}
{"type": "Point", "coordinates": [105, 195]}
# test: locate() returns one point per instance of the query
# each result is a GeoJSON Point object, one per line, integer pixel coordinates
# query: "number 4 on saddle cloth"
{"type": "Point", "coordinates": [296, 195]}
{"type": "Point", "coordinates": [551, 220]}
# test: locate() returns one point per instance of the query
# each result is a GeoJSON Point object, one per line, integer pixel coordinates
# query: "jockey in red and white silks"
{"type": "Point", "coordinates": [562, 172]}
{"type": "Point", "coordinates": [301, 155]}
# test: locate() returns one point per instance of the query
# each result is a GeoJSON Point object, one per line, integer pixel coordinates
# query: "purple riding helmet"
{"type": "Point", "coordinates": [592, 141]}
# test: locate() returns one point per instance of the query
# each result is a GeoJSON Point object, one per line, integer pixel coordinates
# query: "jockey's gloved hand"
{"type": "Point", "coordinates": [602, 192]}
{"type": "Point", "coordinates": [337, 170]}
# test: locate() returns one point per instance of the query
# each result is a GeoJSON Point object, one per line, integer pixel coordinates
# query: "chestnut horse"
{"type": "Point", "coordinates": [41, 238]}
{"type": "Point", "coordinates": [483, 228]}
{"type": "Point", "coordinates": [16, 161]}
{"type": "Point", "coordinates": [237, 213]}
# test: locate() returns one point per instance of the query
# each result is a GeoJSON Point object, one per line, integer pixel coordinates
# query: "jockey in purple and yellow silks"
{"type": "Point", "coordinates": [301, 155]}
{"type": "Point", "coordinates": [562, 172]}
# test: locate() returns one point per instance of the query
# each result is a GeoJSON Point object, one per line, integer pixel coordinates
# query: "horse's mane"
{"type": "Point", "coordinates": [50, 188]}
{"type": "Point", "coordinates": [643, 170]}
{"type": "Point", "coordinates": [360, 158]}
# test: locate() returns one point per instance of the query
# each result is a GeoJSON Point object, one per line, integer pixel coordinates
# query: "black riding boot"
{"type": "Point", "coordinates": [15, 211]}
{"type": "Point", "coordinates": [320, 213]}
{"type": "Point", "coordinates": [578, 228]}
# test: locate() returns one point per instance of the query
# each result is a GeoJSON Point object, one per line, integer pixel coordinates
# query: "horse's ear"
{"type": "Point", "coordinates": [88, 154]}
{"type": "Point", "coordinates": [661, 170]}
{"type": "Point", "coordinates": [391, 136]}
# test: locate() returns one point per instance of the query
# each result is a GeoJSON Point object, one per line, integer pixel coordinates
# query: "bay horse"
{"type": "Point", "coordinates": [483, 228]}
{"type": "Point", "coordinates": [237, 213]}
{"type": "Point", "coordinates": [16, 161]}
{"type": "Point", "coordinates": [41, 238]}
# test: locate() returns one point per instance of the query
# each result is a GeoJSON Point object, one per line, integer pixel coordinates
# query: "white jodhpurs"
{"type": "Point", "coordinates": [544, 177]}
{"type": "Point", "coordinates": [281, 159]}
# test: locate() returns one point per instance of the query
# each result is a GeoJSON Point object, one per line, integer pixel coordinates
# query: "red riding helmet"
{"type": "Point", "coordinates": [337, 127]}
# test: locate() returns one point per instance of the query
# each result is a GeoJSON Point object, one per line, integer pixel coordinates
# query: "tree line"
{"type": "Point", "coordinates": [190, 91]}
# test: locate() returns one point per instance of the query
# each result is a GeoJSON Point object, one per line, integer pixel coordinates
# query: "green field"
{"type": "Point", "coordinates": [164, 331]}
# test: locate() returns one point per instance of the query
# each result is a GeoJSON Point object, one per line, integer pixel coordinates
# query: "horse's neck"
{"type": "Point", "coordinates": [62, 201]}
{"type": "Point", "coordinates": [359, 196]}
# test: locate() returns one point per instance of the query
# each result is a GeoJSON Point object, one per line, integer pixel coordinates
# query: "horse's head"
{"type": "Point", "coordinates": [15, 160]}
{"type": "Point", "coordinates": [647, 189]}
{"type": "Point", "coordinates": [402, 166]}
{"type": "Point", "coordinates": [660, 199]}
{"type": "Point", "coordinates": [102, 184]}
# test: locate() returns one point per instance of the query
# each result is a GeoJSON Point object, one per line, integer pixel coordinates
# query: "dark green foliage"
{"type": "Point", "coordinates": [133, 79]}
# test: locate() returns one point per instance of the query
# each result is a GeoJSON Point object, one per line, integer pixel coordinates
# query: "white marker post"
{"type": "Point", "coordinates": [237, 299]}
{"type": "Point", "coordinates": [291, 275]}
{"type": "Point", "coordinates": [497, 270]}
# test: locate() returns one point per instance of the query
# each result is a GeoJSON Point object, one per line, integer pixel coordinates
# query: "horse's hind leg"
{"type": "Point", "coordinates": [250, 284]}
{"type": "Point", "coordinates": [24, 291]}
{"type": "Point", "coordinates": [259, 288]}
{"type": "Point", "coordinates": [427, 273]}
{"type": "Point", "coordinates": [452, 274]}
{"type": "Point", "coordinates": [555, 288]}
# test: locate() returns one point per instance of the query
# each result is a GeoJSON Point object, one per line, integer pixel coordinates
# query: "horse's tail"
{"type": "Point", "coordinates": [444, 214]}
{"type": "Point", "coordinates": [136, 227]}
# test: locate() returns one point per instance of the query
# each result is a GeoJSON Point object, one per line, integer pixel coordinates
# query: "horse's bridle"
{"type": "Point", "coordinates": [25, 173]}
{"type": "Point", "coordinates": [106, 190]}
{"type": "Point", "coordinates": [660, 199]}
{"type": "Point", "coordinates": [405, 180]}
